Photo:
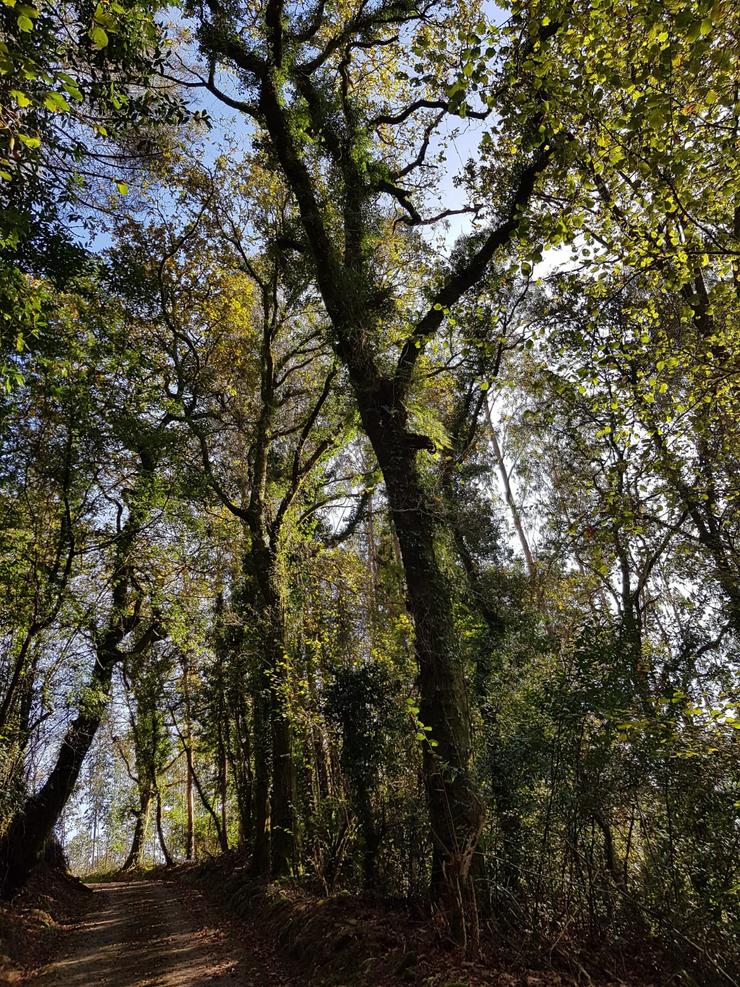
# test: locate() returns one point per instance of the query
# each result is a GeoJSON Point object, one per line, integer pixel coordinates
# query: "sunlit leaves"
{"type": "Point", "coordinates": [56, 103]}
{"type": "Point", "coordinates": [98, 36]}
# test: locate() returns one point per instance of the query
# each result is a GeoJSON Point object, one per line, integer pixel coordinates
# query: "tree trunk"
{"type": "Point", "coordinates": [456, 812]}
{"type": "Point", "coordinates": [370, 837]}
{"type": "Point", "coordinates": [190, 806]}
{"type": "Point", "coordinates": [22, 845]}
{"type": "Point", "coordinates": [222, 782]}
{"type": "Point", "coordinates": [188, 744]}
{"type": "Point", "coordinates": [284, 796]}
{"type": "Point", "coordinates": [260, 865]}
{"type": "Point", "coordinates": [509, 495]}
{"type": "Point", "coordinates": [275, 852]}
{"type": "Point", "coordinates": [160, 832]}
{"type": "Point", "coordinates": [241, 766]}
{"type": "Point", "coordinates": [135, 857]}
{"type": "Point", "coordinates": [206, 803]}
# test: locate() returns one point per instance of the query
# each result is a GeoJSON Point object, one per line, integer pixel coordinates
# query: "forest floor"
{"type": "Point", "coordinates": [189, 927]}
{"type": "Point", "coordinates": [148, 933]}
{"type": "Point", "coordinates": [37, 921]}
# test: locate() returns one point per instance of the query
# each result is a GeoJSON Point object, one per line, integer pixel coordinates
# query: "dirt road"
{"type": "Point", "coordinates": [150, 934]}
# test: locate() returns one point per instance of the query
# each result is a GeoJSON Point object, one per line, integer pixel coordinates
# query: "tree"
{"type": "Point", "coordinates": [311, 86]}
{"type": "Point", "coordinates": [131, 450]}
{"type": "Point", "coordinates": [244, 344]}
{"type": "Point", "coordinates": [82, 113]}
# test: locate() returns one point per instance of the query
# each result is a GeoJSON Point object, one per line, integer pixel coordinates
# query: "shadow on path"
{"type": "Point", "coordinates": [141, 934]}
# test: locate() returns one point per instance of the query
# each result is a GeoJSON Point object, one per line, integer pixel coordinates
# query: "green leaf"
{"type": "Point", "coordinates": [21, 99]}
{"type": "Point", "coordinates": [72, 90]}
{"type": "Point", "coordinates": [56, 103]}
{"type": "Point", "coordinates": [25, 23]}
{"type": "Point", "coordinates": [98, 36]}
{"type": "Point", "coordinates": [122, 187]}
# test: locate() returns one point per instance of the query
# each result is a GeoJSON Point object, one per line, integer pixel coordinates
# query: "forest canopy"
{"type": "Point", "coordinates": [369, 455]}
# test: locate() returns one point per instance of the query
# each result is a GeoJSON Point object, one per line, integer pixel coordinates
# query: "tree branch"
{"type": "Point", "coordinates": [470, 273]}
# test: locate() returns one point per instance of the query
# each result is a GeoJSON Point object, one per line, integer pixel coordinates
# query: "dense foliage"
{"type": "Point", "coordinates": [368, 475]}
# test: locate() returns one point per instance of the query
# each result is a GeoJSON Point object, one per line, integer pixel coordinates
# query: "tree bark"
{"type": "Point", "coordinates": [22, 845]}
{"type": "Point", "coordinates": [284, 851]}
{"type": "Point", "coordinates": [260, 863]}
{"type": "Point", "coordinates": [160, 832]}
{"type": "Point", "coordinates": [206, 803]}
{"type": "Point", "coordinates": [509, 495]}
{"type": "Point", "coordinates": [135, 857]}
{"type": "Point", "coordinates": [189, 806]}
{"type": "Point", "coordinates": [222, 786]}
{"type": "Point", "coordinates": [456, 812]}
{"type": "Point", "coordinates": [241, 766]}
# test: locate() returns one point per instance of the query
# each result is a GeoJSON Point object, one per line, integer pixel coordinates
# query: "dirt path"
{"type": "Point", "coordinates": [149, 934]}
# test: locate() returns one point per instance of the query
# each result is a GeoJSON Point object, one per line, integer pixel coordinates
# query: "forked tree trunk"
{"type": "Point", "coordinates": [135, 857]}
{"type": "Point", "coordinates": [516, 516]}
{"type": "Point", "coordinates": [455, 810]}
